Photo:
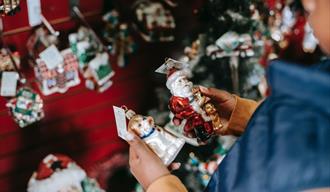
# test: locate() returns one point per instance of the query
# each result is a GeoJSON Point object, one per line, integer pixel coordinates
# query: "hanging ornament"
{"type": "Point", "coordinates": [165, 145]}
{"type": "Point", "coordinates": [154, 22]}
{"type": "Point", "coordinates": [203, 170]}
{"type": "Point", "coordinates": [111, 20]}
{"type": "Point", "coordinates": [188, 105]}
{"type": "Point", "coordinates": [59, 76]}
{"type": "Point", "coordinates": [9, 7]}
{"type": "Point", "coordinates": [56, 71]}
{"type": "Point", "coordinates": [94, 63]}
{"type": "Point", "coordinates": [119, 38]}
{"type": "Point", "coordinates": [39, 41]}
{"type": "Point", "coordinates": [93, 56]}
{"type": "Point", "coordinates": [124, 46]}
{"type": "Point", "coordinates": [98, 73]}
{"type": "Point", "coordinates": [6, 63]}
{"type": "Point", "coordinates": [26, 107]}
{"type": "Point", "coordinates": [234, 46]}
{"type": "Point", "coordinates": [60, 173]}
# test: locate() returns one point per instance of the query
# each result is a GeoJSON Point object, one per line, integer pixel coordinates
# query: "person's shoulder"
{"type": "Point", "coordinates": [309, 85]}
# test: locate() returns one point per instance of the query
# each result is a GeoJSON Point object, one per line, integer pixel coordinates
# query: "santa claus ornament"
{"type": "Point", "coordinates": [163, 143]}
{"type": "Point", "coordinates": [58, 173]}
{"type": "Point", "coordinates": [197, 114]}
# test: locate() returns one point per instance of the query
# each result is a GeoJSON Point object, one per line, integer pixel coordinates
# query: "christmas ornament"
{"type": "Point", "coordinates": [6, 64]}
{"type": "Point", "coordinates": [98, 73]}
{"type": "Point", "coordinates": [203, 170]}
{"type": "Point", "coordinates": [231, 44]}
{"type": "Point", "coordinates": [163, 143]}
{"type": "Point", "coordinates": [111, 20]}
{"type": "Point", "coordinates": [119, 37]}
{"type": "Point", "coordinates": [9, 7]}
{"type": "Point", "coordinates": [39, 41]}
{"type": "Point", "coordinates": [26, 107]}
{"type": "Point", "coordinates": [234, 46]}
{"type": "Point", "coordinates": [193, 53]}
{"type": "Point", "coordinates": [60, 173]}
{"type": "Point", "coordinates": [187, 104]}
{"type": "Point", "coordinates": [123, 46]}
{"type": "Point", "coordinates": [154, 22]}
{"type": "Point", "coordinates": [60, 76]}
{"type": "Point", "coordinates": [94, 62]}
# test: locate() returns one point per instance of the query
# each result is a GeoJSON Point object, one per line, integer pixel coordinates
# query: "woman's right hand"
{"type": "Point", "coordinates": [225, 104]}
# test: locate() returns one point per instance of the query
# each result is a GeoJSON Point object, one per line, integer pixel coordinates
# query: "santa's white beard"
{"type": "Point", "coordinates": [185, 91]}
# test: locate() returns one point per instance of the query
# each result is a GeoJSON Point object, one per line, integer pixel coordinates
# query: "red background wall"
{"type": "Point", "coordinates": [80, 122]}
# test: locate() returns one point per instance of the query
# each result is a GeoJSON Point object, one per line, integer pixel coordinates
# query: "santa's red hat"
{"type": "Point", "coordinates": [176, 69]}
{"type": "Point", "coordinates": [56, 172]}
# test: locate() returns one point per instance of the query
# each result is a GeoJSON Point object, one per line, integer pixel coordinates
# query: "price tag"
{"type": "Point", "coordinates": [52, 57]}
{"type": "Point", "coordinates": [171, 63]}
{"type": "Point", "coordinates": [162, 69]}
{"type": "Point", "coordinates": [34, 12]}
{"type": "Point", "coordinates": [9, 84]}
{"type": "Point", "coordinates": [120, 118]}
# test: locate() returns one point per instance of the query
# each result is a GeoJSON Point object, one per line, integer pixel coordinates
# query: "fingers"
{"type": "Point", "coordinates": [139, 148]}
{"type": "Point", "coordinates": [216, 94]}
{"type": "Point", "coordinates": [174, 166]}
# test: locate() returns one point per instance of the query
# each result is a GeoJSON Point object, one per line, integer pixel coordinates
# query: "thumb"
{"type": "Point", "coordinates": [216, 94]}
{"type": "Point", "coordinates": [138, 145]}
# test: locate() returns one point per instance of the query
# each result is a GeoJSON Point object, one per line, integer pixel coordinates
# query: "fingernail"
{"type": "Point", "coordinates": [202, 88]}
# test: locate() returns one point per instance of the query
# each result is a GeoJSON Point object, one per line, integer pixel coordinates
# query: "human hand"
{"type": "Point", "coordinates": [225, 104]}
{"type": "Point", "coordinates": [144, 164]}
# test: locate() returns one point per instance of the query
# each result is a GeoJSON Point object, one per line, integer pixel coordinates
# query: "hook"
{"type": "Point", "coordinates": [49, 26]}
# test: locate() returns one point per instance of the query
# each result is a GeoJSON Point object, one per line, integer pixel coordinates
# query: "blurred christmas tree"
{"type": "Point", "coordinates": [236, 40]}
{"type": "Point", "coordinates": [234, 33]}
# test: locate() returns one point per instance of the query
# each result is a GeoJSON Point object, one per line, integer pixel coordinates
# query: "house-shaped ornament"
{"type": "Point", "coordinates": [57, 73]}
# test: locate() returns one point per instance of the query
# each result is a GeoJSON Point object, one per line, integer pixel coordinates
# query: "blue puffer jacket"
{"type": "Point", "coordinates": [286, 145]}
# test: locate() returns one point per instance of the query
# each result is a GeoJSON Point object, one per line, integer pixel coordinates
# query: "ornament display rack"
{"type": "Point", "coordinates": [78, 123]}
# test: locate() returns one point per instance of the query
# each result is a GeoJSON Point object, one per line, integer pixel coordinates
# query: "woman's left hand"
{"type": "Point", "coordinates": [145, 165]}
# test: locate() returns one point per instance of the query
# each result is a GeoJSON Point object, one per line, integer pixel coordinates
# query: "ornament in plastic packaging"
{"type": "Point", "coordinates": [163, 143]}
{"type": "Point", "coordinates": [60, 173]}
{"type": "Point", "coordinates": [26, 107]}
